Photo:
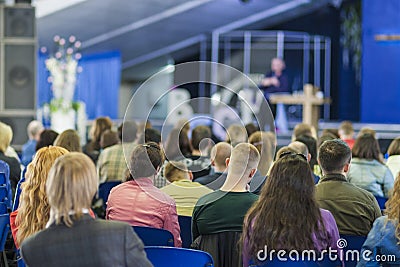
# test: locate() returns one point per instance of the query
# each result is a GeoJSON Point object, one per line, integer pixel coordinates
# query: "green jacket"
{"type": "Point", "coordinates": [353, 208]}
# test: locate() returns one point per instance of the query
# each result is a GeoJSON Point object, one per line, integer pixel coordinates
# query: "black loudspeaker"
{"type": "Point", "coordinates": [18, 68]}
{"type": "Point", "coordinates": [19, 22]}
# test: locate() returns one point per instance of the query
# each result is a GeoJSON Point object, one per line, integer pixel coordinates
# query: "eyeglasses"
{"type": "Point", "coordinates": [284, 154]}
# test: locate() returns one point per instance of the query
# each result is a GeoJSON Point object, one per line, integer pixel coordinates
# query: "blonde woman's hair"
{"type": "Point", "coordinates": [393, 207]}
{"type": "Point", "coordinates": [70, 187]}
{"type": "Point", "coordinates": [34, 209]}
{"type": "Point", "coordinates": [265, 144]}
{"type": "Point", "coordinates": [5, 136]}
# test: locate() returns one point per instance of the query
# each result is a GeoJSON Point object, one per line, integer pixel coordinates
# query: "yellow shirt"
{"type": "Point", "coordinates": [185, 193]}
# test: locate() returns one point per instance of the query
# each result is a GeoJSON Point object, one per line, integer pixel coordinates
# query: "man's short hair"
{"type": "Point", "coordinates": [34, 128]}
{"type": "Point", "coordinates": [220, 152]}
{"type": "Point", "coordinates": [236, 134]}
{"type": "Point", "coordinates": [333, 155]}
{"type": "Point", "coordinates": [244, 157]}
{"type": "Point", "coordinates": [175, 171]}
{"type": "Point", "coordinates": [302, 129]}
{"type": "Point", "coordinates": [346, 127]}
{"type": "Point", "coordinates": [199, 133]}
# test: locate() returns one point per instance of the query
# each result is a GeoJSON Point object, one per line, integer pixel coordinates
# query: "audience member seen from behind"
{"type": "Point", "coordinates": [346, 133]}
{"type": "Point", "coordinates": [224, 209]}
{"type": "Point", "coordinates": [181, 188]}
{"type": "Point", "coordinates": [5, 140]}
{"type": "Point", "coordinates": [265, 144]}
{"type": "Point", "coordinates": [199, 162]}
{"type": "Point", "coordinates": [311, 144]}
{"type": "Point", "coordinates": [368, 170]}
{"type": "Point", "coordinates": [47, 138]}
{"type": "Point", "coordinates": [108, 138]}
{"type": "Point", "coordinates": [70, 140]}
{"type": "Point", "coordinates": [177, 145]}
{"type": "Point", "coordinates": [236, 134]}
{"type": "Point", "coordinates": [29, 148]}
{"type": "Point", "coordinates": [354, 209]}
{"type": "Point", "coordinates": [219, 153]}
{"type": "Point", "coordinates": [384, 237]}
{"type": "Point", "coordinates": [111, 165]}
{"type": "Point", "coordinates": [286, 216]}
{"type": "Point", "coordinates": [393, 162]}
{"type": "Point", "coordinates": [92, 148]}
{"type": "Point", "coordinates": [222, 212]}
{"type": "Point", "coordinates": [72, 237]}
{"type": "Point", "coordinates": [33, 211]}
{"type": "Point", "coordinates": [137, 201]}
{"type": "Point", "coordinates": [303, 129]}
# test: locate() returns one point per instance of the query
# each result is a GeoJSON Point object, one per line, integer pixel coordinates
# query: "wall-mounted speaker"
{"type": "Point", "coordinates": [18, 45]}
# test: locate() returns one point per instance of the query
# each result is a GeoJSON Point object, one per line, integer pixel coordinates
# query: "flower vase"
{"type": "Point", "coordinates": [62, 120]}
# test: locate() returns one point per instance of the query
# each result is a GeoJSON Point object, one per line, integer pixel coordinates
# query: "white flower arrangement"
{"type": "Point", "coordinates": [63, 67]}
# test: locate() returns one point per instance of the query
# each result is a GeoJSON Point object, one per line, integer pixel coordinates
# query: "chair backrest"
{"type": "Point", "coordinates": [5, 180]}
{"type": "Point", "coordinates": [223, 247]}
{"type": "Point", "coordinates": [4, 195]}
{"type": "Point", "coordinates": [154, 236]}
{"type": "Point", "coordinates": [352, 243]}
{"type": "Point", "coordinates": [185, 223]}
{"type": "Point", "coordinates": [104, 191]}
{"type": "Point", "coordinates": [4, 172]}
{"type": "Point", "coordinates": [178, 257]}
{"type": "Point", "coordinates": [18, 192]}
{"type": "Point", "coordinates": [4, 229]}
{"type": "Point", "coordinates": [381, 201]}
{"type": "Point", "coordinates": [3, 208]}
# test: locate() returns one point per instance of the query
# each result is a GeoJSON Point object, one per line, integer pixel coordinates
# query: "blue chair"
{"type": "Point", "coordinates": [5, 181]}
{"type": "Point", "coordinates": [18, 192]}
{"type": "Point", "coordinates": [3, 208]}
{"type": "Point", "coordinates": [4, 196]}
{"type": "Point", "coordinates": [4, 229]}
{"type": "Point", "coordinates": [178, 257]}
{"type": "Point", "coordinates": [381, 201]}
{"type": "Point", "coordinates": [104, 191]}
{"type": "Point", "coordinates": [353, 243]}
{"type": "Point", "coordinates": [154, 236]}
{"type": "Point", "coordinates": [185, 223]}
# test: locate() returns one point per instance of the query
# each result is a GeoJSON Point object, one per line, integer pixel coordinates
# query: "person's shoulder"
{"type": "Point", "coordinates": [209, 198]}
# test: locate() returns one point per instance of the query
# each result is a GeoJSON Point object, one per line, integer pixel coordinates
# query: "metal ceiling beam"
{"type": "Point", "coordinates": [144, 22]}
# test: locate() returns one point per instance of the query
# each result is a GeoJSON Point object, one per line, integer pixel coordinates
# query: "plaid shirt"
{"type": "Point", "coordinates": [111, 165]}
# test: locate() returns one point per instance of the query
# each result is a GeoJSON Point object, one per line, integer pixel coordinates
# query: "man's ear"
{"type": "Point", "coordinates": [309, 157]}
{"type": "Point", "coordinates": [213, 162]}
{"type": "Point", "coordinates": [190, 175]}
{"type": "Point", "coordinates": [227, 162]}
{"type": "Point", "coordinates": [346, 167]}
{"type": "Point", "coordinates": [252, 172]}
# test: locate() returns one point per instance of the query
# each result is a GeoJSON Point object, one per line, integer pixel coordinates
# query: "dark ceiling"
{"type": "Point", "coordinates": [149, 33]}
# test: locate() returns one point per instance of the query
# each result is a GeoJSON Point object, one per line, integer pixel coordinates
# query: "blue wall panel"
{"type": "Point", "coordinates": [380, 93]}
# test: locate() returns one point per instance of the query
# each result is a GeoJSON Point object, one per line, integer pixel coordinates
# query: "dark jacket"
{"type": "Point", "coordinates": [88, 242]}
{"type": "Point", "coordinates": [353, 208]}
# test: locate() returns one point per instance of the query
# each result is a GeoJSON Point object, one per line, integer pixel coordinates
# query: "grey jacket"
{"type": "Point", "coordinates": [88, 242]}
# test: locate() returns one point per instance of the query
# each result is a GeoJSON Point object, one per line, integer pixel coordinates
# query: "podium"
{"type": "Point", "coordinates": [310, 102]}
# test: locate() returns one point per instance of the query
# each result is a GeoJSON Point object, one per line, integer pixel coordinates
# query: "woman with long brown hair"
{"type": "Point", "coordinates": [384, 237]}
{"type": "Point", "coordinates": [34, 210]}
{"type": "Point", "coordinates": [368, 170]}
{"type": "Point", "coordinates": [287, 216]}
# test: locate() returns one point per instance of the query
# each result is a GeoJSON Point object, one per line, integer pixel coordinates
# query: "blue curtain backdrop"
{"type": "Point", "coordinates": [97, 85]}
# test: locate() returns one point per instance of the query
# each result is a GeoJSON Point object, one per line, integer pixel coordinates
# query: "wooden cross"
{"type": "Point", "coordinates": [310, 103]}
